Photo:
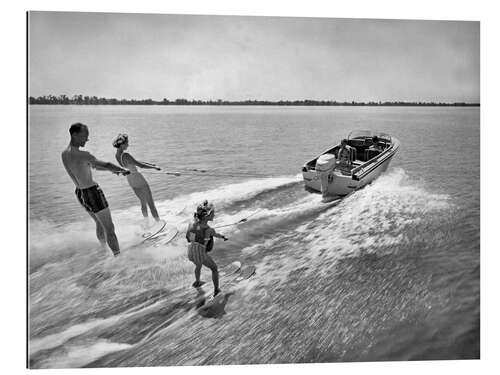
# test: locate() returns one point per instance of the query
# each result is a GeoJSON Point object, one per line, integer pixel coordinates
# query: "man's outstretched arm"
{"type": "Point", "coordinates": [104, 165]}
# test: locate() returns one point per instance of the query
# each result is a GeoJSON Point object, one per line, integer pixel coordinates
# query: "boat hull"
{"type": "Point", "coordinates": [340, 184]}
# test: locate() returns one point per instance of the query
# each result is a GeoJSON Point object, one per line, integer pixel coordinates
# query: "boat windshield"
{"type": "Point", "coordinates": [360, 134]}
{"type": "Point", "coordinates": [367, 134]}
{"type": "Point", "coordinates": [384, 137]}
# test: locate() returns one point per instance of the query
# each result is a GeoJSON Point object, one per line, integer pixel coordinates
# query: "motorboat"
{"type": "Point", "coordinates": [364, 156]}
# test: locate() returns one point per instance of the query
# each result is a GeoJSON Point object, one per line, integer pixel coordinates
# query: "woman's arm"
{"type": "Point", "coordinates": [105, 166]}
{"type": "Point", "coordinates": [131, 160]}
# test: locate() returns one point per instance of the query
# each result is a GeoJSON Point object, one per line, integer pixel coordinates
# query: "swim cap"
{"type": "Point", "coordinates": [120, 139]}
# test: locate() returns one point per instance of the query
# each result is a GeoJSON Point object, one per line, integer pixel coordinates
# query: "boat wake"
{"type": "Point", "coordinates": [90, 309]}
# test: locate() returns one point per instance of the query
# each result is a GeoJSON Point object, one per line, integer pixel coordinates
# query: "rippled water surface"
{"type": "Point", "coordinates": [389, 273]}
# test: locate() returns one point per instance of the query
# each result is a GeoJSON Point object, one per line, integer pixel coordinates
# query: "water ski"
{"type": "Point", "coordinates": [212, 302]}
{"type": "Point", "coordinates": [153, 230]}
{"type": "Point", "coordinates": [230, 269]}
{"type": "Point", "coordinates": [246, 273]}
{"type": "Point", "coordinates": [230, 275]}
{"type": "Point", "coordinates": [164, 238]}
{"type": "Point", "coordinates": [157, 235]}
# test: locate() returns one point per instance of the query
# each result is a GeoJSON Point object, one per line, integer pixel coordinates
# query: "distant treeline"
{"type": "Point", "coordinates": [94, 100]}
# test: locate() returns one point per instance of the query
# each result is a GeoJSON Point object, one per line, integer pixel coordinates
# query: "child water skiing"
{"type": "Point", "coordinates": [200, 237]}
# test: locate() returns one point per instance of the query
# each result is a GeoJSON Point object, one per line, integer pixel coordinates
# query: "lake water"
{"type": "Point", "coordinates": [389, 273]}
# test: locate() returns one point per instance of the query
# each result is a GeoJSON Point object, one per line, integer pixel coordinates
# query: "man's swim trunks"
{"type": "Point", "coordinates": [92, 199]}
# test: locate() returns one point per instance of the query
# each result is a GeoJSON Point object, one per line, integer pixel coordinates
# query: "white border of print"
{"type": "Point", "coordinates": [13, 279]}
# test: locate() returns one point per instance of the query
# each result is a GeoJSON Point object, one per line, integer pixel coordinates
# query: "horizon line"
{"type": "Point", "coordinates": [79, 99]}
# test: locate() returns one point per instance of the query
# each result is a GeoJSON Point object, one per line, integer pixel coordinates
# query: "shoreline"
{"type": "Point", "coordinates": [268, 105]}
{"type": "Point", "coordinates": [94, 100]}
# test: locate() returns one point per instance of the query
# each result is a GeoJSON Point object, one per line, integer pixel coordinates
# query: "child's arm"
{"type": "Point", "coordinates": [188, 238]}
{"type": "Point", "coordinates": [218, 235]}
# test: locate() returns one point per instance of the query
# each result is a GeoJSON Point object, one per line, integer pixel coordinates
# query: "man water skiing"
{"type": "Point", "coordinates": [78, 163]}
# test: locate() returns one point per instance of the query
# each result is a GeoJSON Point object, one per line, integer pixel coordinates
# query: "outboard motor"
{"type": "Point", "coordinates": [324, 167]}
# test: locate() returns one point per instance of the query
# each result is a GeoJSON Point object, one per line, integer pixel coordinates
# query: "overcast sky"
{"type": "Point", "coordinates": [237, 58]}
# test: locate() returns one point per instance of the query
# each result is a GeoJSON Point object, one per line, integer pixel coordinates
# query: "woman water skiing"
{"type": "Point", "coordinates": [135, 179]}
{"type": "Point", "coordinates": [200, 237]}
